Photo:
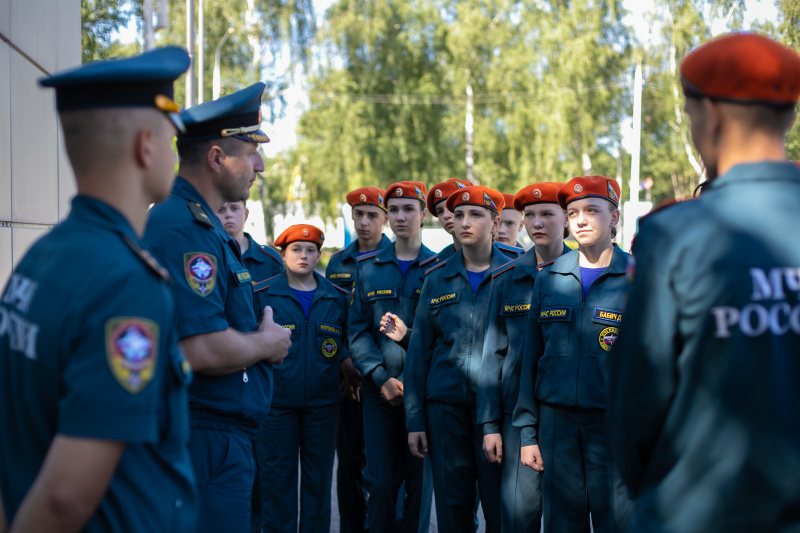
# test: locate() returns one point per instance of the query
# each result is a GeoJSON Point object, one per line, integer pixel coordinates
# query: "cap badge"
{"type": "Point", "coordinates": [305, 232]}
{"type": "Point", "coordinates": [612, 194]}
{"type": "Point", "coordinates": [460, 185]}
{"type": "Point", "coordinates": [578, 188]}
{"type": "Point", "coordinates": [321, 238]}
{"type": "Point", "coordinates": [398, 192]}
{"type": "Point", "coordinates": [419, 193]}
{"type": "Point", "coordinates": [363, 197]}
{"type": "Point", "coordinates": [465, 197]}
{"type": "Point", "coordinates": [438, 193]}
{"type": "Point", "coordinates": [537, 193]}
{"type": "Point", "coordinates": [488, 202]}
{"type": "Point", "coordinates": [380, 198]}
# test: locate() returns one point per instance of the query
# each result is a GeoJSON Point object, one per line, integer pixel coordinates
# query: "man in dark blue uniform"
{"type": "Point", "coordinates": [389, 280]}
{"type": "Point", "coordinates": [369, 217]}
{"type": "Point", "coordinates": [704, 402]}
{"type": "Point", "coordinates": [92, 383]}
{"type": "Point", "coordinates": [229, 351]}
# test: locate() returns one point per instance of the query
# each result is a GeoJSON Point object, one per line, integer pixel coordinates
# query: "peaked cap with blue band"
{"type": "Point", "coordinates": [235, 115]}
{"type": "Point", "coordinates": [141, 81]}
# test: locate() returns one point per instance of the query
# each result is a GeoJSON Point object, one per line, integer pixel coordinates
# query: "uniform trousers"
{"type": "Point", "coordinates": [579, 477]}
{"type": "Point", "coordinates": [351, 486]}
{"type": "Point", "coordinates": [224, 468]}
{"type": "Point", "coordinates": [455, 444]}
{"type": "Point", "coordinates": [389, 464]}
{"type": "Point", "coordinates": [312, 431]}
{"type": "Point", "coordinates": [520, 487]}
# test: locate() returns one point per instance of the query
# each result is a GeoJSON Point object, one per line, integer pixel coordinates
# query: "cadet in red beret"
{"type": "Point", "coordinates": [437, 206]}
{"type": "Point", "coordinates": [369, 218]}
{"type": "Point", "coordinates": [443, 364]}
{"type": "Point", "coordinates": [703, 398]}
{"type": "Point", "coordinates": [305, 405]}
{"type": "Point", "coordinates": [576, 309]}
{"type": "Point", "coordinates": [510, 224]}
{"type": "Point", "coordinates": [390, 281]}
{"type": "Point", "coordinates": [498, 387]}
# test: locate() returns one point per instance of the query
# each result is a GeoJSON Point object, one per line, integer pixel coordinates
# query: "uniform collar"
{"type": "Point", "coordinates": [763, 171]}
{"type": "Point", "coordinates": [455, 263]}
{"type": "Point", "coordinates": [568, 263]}
{"type": "Point", "coordinates": [280, 286]}
{"type": "Point", "coordinates": [352, 250]}
{"type": "Point", "coordinates": [183, 189]}
{"type": "Point", "coordinates": [98, 213]}
{"type": "Point", "coordinates": [386, 254]}
{"type": "Point", "coordinates": [252, 248]}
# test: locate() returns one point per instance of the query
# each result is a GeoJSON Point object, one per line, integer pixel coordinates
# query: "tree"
{"type": "Point", "coordinates": [100, 19]}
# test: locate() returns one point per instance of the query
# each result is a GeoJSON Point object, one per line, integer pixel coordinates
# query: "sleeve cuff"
{"type": "Point", "coordinates": [379, 376]}
{"type": "Point", "coordinates": [415, 423]}
{"type": "Point", "coordinates": [490, 428]}
{"type": "Point", "coordinates": [405, 340]}
{"type": "Point", "coordinates": [528, 437]}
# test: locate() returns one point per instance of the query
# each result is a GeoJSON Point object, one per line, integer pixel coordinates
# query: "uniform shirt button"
{"type": "Point", "coordinates": [178, 504]}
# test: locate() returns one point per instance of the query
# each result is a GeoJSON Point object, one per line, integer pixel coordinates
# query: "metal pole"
{"type": "Point", "coordinates": [201, 55]}
{"type": "Point", "coordinates": [637, 133]}
{"type": "Point", "coordinates": [189, 98]}
{"type": "Point", "coordinates": [147, 13]}
{"type": "Point", "coordinates": [216, 83]}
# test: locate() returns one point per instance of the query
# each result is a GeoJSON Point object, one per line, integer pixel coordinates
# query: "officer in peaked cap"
{"type": "Point", "coordinates": [94, 400]}
{"type": "Point", "coordinates": [217, 323]}
{"type": "Point", "coordinates": [703, 397]}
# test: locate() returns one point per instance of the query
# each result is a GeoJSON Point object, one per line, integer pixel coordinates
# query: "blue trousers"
{"type": "Point", "coordinates": [312, 431]}
{"type": "Point", "coordinates": [455, 444]}
{"type": "Point", "coordinates": [224, 468]}
{"type": "Point", "coordinates": [351, 485]}
{"type": "Point", "coordinates": [579, 477]}
{"type": "Point", "coordinates": [389, 464]}
{"type": "Point", "coordinates": [520, 487]}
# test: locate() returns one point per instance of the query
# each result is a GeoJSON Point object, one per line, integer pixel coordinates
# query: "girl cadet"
{"type": "Point", "coordinates": [576, 309]}
{"type": "Point", "coordinates": [305, 404]}
{"type": "Point", "coordinates": [498, 386]}
{"type": "Point", "coordinates": [443, 363]}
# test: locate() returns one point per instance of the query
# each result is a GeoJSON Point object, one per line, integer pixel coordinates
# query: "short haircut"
{"type": "Point", "coordinates": [191, 153]}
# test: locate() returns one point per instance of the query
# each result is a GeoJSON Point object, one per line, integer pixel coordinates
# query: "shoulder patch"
{"type": "Point", "coordinates": [265, 284]}
{"type": "Point", "coordinates": [200, 214]}
{"type": "Point", "coordinates": [266, 250]}
{"type": "Point", "coordinates": [132, 351]}
{"type": "Point", "coordinates": [435, 267]}
{"type": "Point", "coordinates": [201, 272]}
{"type": "Point", "coordinates": [148, 259]}
{"type": "Point", "coordinates": [367, 256]}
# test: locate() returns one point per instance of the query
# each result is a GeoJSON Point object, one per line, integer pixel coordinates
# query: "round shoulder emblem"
{"type": "Point", "coordinates": [578, 188]}
{"type": "Point", "coordinates": [363, 197]}
{"type": "Point", "coordinates": [465, 197]}
{"type": "Point", "coordinates": [438, 193]}
{"type": "Point", "coordinates": [398, 192]}
{"type": "Point", "coordinates": [305, 232]}
{"type": "Point", "coordinates": [537, 193]}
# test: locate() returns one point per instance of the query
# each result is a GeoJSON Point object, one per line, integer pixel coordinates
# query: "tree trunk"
{"type": "Point", "coordinates": [469, 131]}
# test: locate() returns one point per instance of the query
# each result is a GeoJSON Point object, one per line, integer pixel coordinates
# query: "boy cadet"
{"type": "Point", "coordinates": [261, 261]}
{"type": "Point", "coordinates": [389, 280]}
{"type": "Point", "coordinates": [498, 386]}
{"type": "Point", "coordinates": [703, 395]}
{"type": "Point", "coordinates": [219, 333]}
{"type": "Point", "coordinates": [510, 224]}
{"type": "Point", "coordinates": [437, 206]}
{"type": "Point", "coordinates": [93, 384]}
{"type": "Point", "coordinates": [369, 217]}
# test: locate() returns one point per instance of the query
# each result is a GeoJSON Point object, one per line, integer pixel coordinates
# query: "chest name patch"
{"type": "Point", "coordinates": [444, 299]}
{"type": "Point", "coordinates": [291, 327]}
{"type": "Point", "coordinates": [327, 328]}
{"type": "Point", "coordinates": [554, 313]}
{"type": "Point", "coordinates": [244, 277]}
{"type": "Point", "coordinates": [516, 308]}
{"type": "Point", "coordinates": [375, 294]}
{"type": "Point", "coordinates": [201, 272]}
{"type": "Point", "coordinates": [341, 275]}
{"type": "Point", "coordinates": [132, 350]}
{"type": "Point", "coordinates": [604, 314]}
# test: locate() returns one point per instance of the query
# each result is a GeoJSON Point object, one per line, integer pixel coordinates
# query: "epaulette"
{"type": "Point", "coordinates": [428, 260]}
{"type": "Point", "coordinates": [348, 293]}
{"type": "Point", "coordinates": [337, 253]}
{"type": "Point", "coordinates": [200, 215]}
{"type": "Point", "coordinates": [368, 256]}
{"type": "Point", "coordinates": [148, 259]}
{"type": "Point", "coordinates": [510, 248]}
{"type": "Point", "coordinates": [505, 267]}
{"type": "Point", "coordinates": [266, 250]}
{"type": "Point", "coordinates": [261, 285]}
{"type": "Point", "coordinates": [435, 267]}
{"type": "Point", "coordinates": [541, 266]}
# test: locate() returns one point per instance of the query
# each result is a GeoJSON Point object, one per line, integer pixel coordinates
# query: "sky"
{"type": "Point", "coordinates": [282, 132]}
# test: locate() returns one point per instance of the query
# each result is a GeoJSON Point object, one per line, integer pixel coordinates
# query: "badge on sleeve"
{"type": "Point", "coordinates": [608, 337]}
{"type": "Point", "coordinates": [201, 272]}
{"type": "Point", "coordinates": [329, 347]}
{"type": "Point", "coordinates": [132, 349]}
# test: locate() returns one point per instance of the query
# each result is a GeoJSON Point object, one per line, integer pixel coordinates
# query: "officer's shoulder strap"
{"type": "Point", "coordinates": [510, 248]}
{"type": "Point", "coordinates": [334, 254]}
{"type": "Point", "coordinates": [266, 250]}
{"type": "Point", "coordinates": [343, 291]}
{"type": "Point", "coordinates": [542, 265]}
{"type": "Point", "coordinates": [200, 215]}
{"type": "Point", "coordinates": [368, 256]}
{"type": "Point", "coordinates": [505, 267]}
{"type": "Point", "coordinates": [263, 285]}
{"type": "Point", "coordinates": [428, 260]}
{"type": "Point", "coordinates": [435, 267]}
{"type": "Point", "coordinates": [148, 259]}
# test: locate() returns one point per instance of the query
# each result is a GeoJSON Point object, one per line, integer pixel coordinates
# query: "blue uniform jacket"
{"type": "Point", "coordinates": [88, 349]}
{"type": "Point", "coordinates": [341, 268]}
{"type": "Point", "coordinates": [380, 288]}
{"type": "Point", "coordinates": [262, 262]}
{"type": "Point", "coordinates": [704, 401]}
{"type": "Point", "coordinates": [444, 355]}
{"type": "Point", "coordinates": [445, 253]}
{"type": "Point", "coordinates": [213, 292]}
{"type": "Point", "coordinates": [509, 305]}
{"type": "Point", "coordinates": [567, 340]}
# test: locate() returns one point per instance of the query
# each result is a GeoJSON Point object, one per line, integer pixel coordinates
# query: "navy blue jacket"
{"type": "Point", "coordinates": [380, 288]}
{"type": "Point", "coordinates": [262, 262]}
{"type": "Point", "coordinates": [444, 355]}
{"type": "Point", "coordinates": [567, 339]}
{"type": "Point", "coordinates": [704, 394]}
{"type": "Point", "coordinates": [498, 387]}
{"type": "Point", "coordinates": [309, 376]}
{"type": "Point", "coordinates": [341, 268]}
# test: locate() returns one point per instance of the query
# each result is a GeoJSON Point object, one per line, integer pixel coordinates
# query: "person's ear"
{"type": "Point", "coordinates": [214, 158]}
{"type": "Point", "coordinates": [144, 148]}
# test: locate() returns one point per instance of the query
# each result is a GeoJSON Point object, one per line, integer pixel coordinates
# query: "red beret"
{"type": "Point", "coordinates": [477, 195]}
{"type": "Point", "coordinates": [366, 196]}
{"type": "Point", "coordinates": [406, 189]}
{"type": "Point", "coordinates": [743, 67]}
{"type": "Point", "coordinates": [537, 193]}
{"type": "Point", "coordinates": [508, 199]}
{"type": "Point", "coordinates": [300, 232]}
{"type": "Point", "coordinates": [589, 187]}
{"type": "Point", "coordinates": [442, 191]}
